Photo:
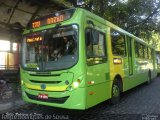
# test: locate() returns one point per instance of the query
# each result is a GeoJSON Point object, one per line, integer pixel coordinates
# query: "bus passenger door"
{"type": "Point", "coordinates": [97, 72]}
{"type": "Point", "coordinates": [130, 55]}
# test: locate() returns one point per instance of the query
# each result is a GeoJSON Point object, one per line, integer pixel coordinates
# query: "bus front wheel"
{"type": "Point", "coordinates": [115, 93]}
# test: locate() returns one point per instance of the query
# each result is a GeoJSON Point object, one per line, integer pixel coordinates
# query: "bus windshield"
{"type": "Point", "coordinates": [52, 49]}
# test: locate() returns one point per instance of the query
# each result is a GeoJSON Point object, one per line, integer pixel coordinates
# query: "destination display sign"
{"type": "Point", "coordinates": [36, 38]}
{"type": "Point", "coordinates": [52, 18]}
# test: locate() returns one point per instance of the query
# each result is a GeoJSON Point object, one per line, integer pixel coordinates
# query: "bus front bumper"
{"type": "Point", "coordinates": [74, 99]}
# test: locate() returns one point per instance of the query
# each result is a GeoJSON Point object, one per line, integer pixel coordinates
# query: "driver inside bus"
{"type": "Point", "coordinates": [64, 46]}
{"type": "Point", "coordinates": [69, 45]}
{"type": "Point", "coordinates": [56, 53]}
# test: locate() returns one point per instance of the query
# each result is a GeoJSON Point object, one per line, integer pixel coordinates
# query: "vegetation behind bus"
{"type": "Point", "coordinates": [140, 17]}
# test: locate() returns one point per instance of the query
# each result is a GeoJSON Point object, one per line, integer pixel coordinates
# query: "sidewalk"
{"type": "Point", "coordinates": [10, 96]}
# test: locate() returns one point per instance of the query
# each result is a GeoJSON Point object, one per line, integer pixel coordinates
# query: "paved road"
{"type": "Point", "coordinates": [140, 103]}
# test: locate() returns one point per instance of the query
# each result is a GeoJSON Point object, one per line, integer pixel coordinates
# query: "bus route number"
{"type": "Point", "coordinates": [36, 24]}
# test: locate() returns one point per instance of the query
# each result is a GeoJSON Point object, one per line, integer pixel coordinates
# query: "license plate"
{"type": "Point", "coordinates": [43, 96]}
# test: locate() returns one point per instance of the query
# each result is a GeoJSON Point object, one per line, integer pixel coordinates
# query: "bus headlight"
{"type": "Point", "coordinates": [75, 84]}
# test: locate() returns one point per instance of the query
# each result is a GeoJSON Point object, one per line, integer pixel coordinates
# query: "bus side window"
{"type": "Point", "coordinates": [145, 52]}
{"type": "Point", "coordinates": [95, 43]}
{"type": "Point", "coordinates": [118, 43]}
{"type": "Point", "coordinates": [89, 47]}
{"type": "Point", "coordinates": [92, 42]}
{"type": "Point", "coordinates": [95, 39]}
{"type": "Point", "coordinates": [136, 49]}
{"type": "Point", "coordinates": [140, 50]}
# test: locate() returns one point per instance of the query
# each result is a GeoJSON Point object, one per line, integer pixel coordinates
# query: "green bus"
{"type": "Point", "coordinates": [75, 59]}
{"type": "Point", "coordinates": [158, 62]}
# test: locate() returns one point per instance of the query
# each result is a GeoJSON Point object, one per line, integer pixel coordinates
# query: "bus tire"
{"type": "Point", "coordinates": [115, 92]}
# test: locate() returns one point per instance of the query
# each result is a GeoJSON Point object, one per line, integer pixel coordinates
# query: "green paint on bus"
{"type": "Point", "coordinates": [78, 60]}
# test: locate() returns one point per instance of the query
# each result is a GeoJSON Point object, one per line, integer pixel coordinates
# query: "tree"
{"type": "Point", "coordinates": [155, 41]}
{"type": "Point", "coordinates": [139, 17]}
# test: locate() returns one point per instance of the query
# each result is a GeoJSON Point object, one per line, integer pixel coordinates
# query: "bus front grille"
{"type": "Point", "coordinates": [47, 82]}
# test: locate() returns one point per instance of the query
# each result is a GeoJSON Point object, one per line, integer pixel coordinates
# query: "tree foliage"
{"type": "Point", "coordinates": [139, 17]}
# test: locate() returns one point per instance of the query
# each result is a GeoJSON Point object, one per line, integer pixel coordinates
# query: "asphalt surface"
{"type": "Point", "coordinates": [140, 103]}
